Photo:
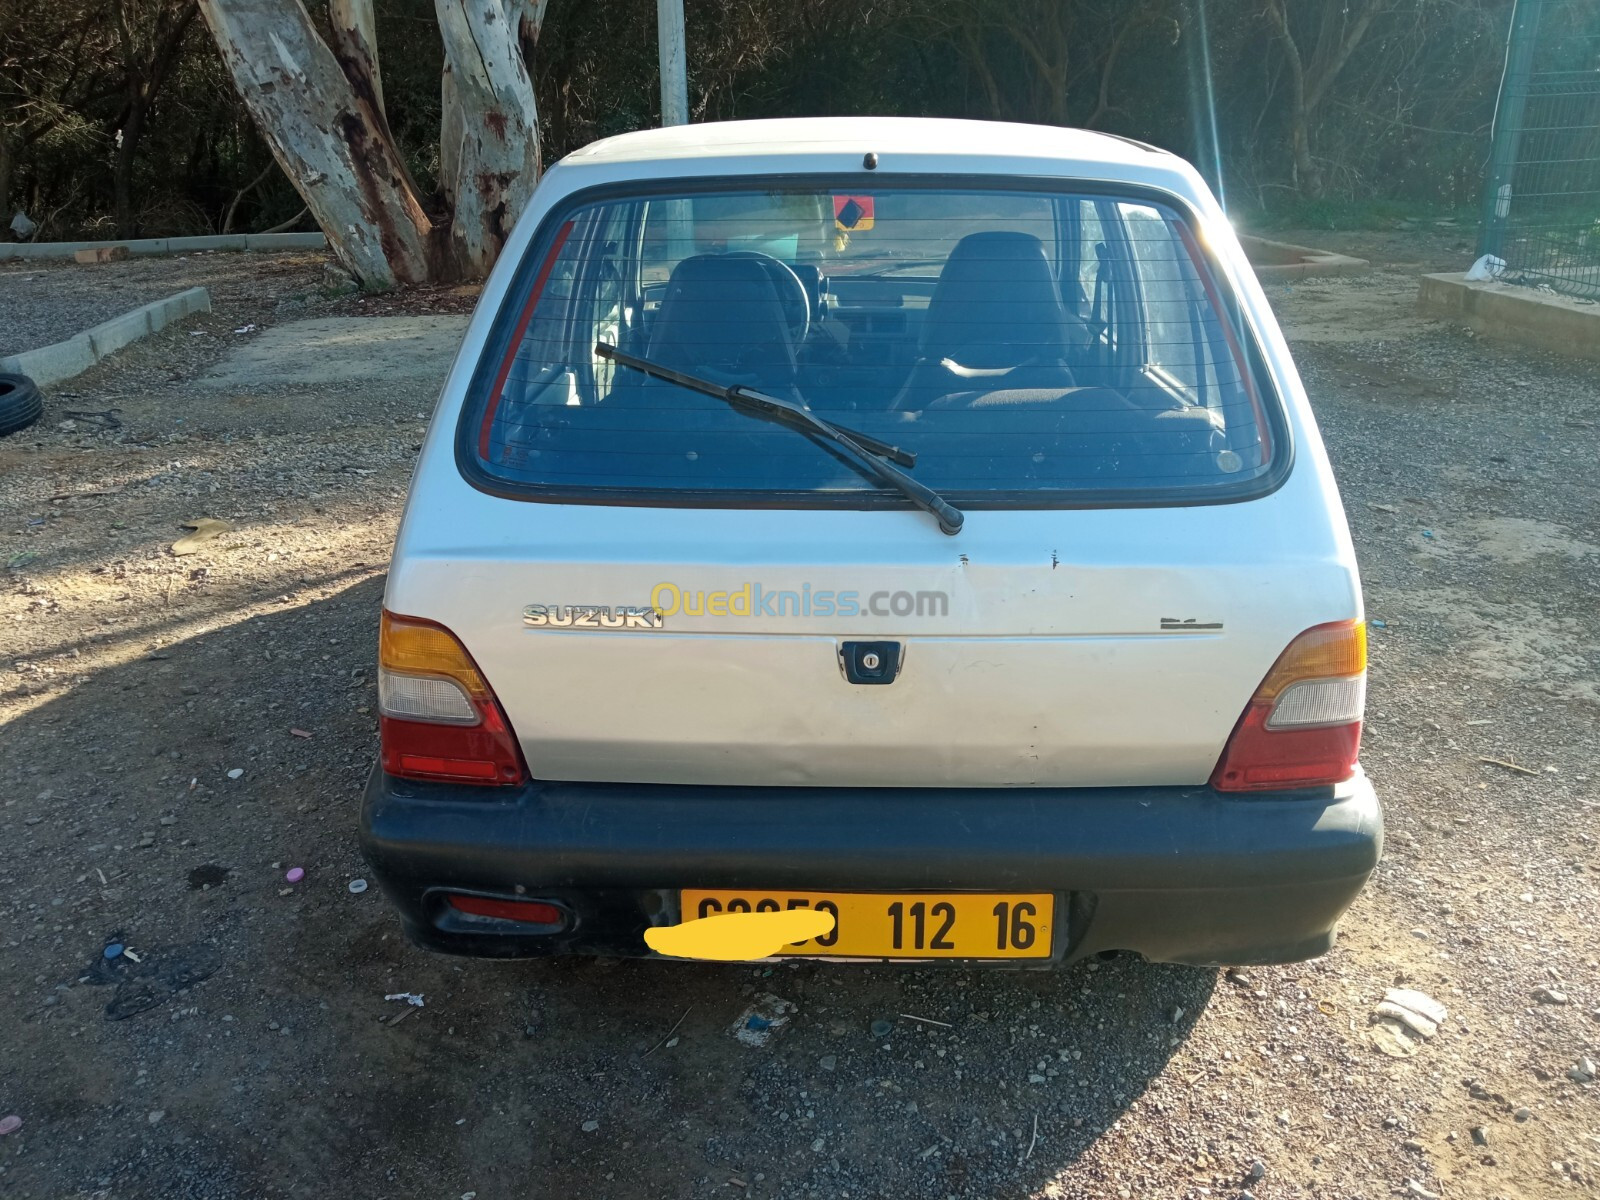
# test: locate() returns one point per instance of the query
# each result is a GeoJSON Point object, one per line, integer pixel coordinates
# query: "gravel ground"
{"type": "Point", "coordinates": [45, 302]}
{"type": "Point", "coordinates": [251, 1051]}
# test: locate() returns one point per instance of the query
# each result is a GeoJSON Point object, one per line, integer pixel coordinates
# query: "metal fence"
{"type": "Point", "coordinates": [1541, 210]}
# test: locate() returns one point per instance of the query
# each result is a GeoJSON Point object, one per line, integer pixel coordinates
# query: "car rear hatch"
{"type": "Point", "coordinates": [1038, 648]}
{"type": "Point", "coordinates": [1137, 550]}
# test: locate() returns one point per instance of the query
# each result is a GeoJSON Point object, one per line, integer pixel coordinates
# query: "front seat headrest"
{"type": "Point", "coordinates": [996, 304]}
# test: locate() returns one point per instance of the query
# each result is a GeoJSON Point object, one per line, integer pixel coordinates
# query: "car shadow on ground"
{"type": "Point", "coordinates": [287, 1071]}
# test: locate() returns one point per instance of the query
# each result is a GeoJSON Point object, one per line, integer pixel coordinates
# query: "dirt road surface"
{"type": "Point", "coordinates": [180, 731]}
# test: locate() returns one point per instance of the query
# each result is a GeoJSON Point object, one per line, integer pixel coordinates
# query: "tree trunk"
{"type": "Point", "coordinates": [330, 139]}
{"type": "Point", "coordinates": [122, 167]}
{"type": "Point", "coordinates": [355, 44]}
{"type": "Point", "coordinates": [489, 135]}
{"type": "Point", "coordinates": [6, 159]}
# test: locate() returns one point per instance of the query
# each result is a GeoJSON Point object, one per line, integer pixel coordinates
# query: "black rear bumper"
{"type": "Point", "coordinates": [1177, 874]}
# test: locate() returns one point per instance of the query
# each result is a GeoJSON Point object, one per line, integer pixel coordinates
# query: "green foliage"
{"type": "Point", "coordinates": [1402, 130]}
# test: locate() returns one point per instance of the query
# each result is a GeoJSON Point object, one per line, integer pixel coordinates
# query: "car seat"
{"type": "Point", "coordinates": [721, 317]}
{"type": "Point", "coordinates": [995, 320]}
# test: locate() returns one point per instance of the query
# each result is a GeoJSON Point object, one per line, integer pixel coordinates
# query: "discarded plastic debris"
{"type": "Point", "coordinates": [114, 950]}
{"type": "Point", "coordinates": [357, 886]}
{"type": "Point", "coordinates": [882, 1027]}
{"type": "Point", "coordinates": [10, 1124]}
{"type": "Point", "coordinates": [295, 874]}
{"type": "Point", "coordinates": [763, 1017]}
{"type": "Point", "coordinates": [1377, 624]}
{"type": "Point", "coordinates": [1428, 533]}
{"type": "Point", "coordinates": [412, 998]}
{"type": "Point", "coordinates": [1488, 267]}
{"type": "Point", "coordinates": [1419, 1002]}
{"type": "Point", "coordinates": [146, 981]}
{"type": "Point", "coordinates": [1404, 1020]}
{"type": "Point", "coordinates": [204, 530]}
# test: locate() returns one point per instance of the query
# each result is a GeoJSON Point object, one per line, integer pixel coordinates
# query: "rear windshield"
{"type": "Point", "coordinates": [1027, 346]}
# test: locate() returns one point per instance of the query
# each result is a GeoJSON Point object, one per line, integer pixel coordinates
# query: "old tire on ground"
{"type": "Point", "coordinates": [20, 403]}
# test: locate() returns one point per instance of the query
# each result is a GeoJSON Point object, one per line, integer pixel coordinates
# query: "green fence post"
{"type": "Point", "coordinates": [1513, 98]}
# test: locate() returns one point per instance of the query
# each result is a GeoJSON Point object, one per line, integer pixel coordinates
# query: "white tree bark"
{"type": "Point", "coordinates": [489, 137]}
{"type": "Point", "coordinates": [355, 42]}
{"type": "Point", "coordinates": [328, 133]}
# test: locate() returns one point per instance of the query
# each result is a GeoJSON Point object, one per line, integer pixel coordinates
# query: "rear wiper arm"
{"type": "Point", "coordinates": [866, 452]}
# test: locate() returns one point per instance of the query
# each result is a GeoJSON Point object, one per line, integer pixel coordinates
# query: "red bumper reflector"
{"type": "Point", "coordinates": [1261, 759]}
{"type": "Point", "coordinates": [414, 765]}
{"type": "Point", "coordinates": [531, 912]}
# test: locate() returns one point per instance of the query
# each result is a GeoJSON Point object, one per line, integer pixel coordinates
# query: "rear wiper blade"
{"type": "Point", "coordinates": [864, 451]}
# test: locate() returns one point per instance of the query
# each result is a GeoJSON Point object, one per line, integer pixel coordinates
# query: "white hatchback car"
{"type": "Point", "coordinates": [917, 521]}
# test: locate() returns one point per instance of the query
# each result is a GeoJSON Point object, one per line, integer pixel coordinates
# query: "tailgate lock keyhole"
{"type": "Point", "coordinates": [870, 662]}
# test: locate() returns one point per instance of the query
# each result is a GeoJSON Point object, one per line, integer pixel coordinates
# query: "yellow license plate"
{"type": "Point", "coordinates": [909, 925]}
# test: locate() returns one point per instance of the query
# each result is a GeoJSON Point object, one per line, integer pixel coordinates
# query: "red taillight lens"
{"type": "Point", "coordinates": [438, 719]}
{"type": "Point", "coordinates": [530, 912]}
{"type": "Point", "coordinates": [1302, 728]}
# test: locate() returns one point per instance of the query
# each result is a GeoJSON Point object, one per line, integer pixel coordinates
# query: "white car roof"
{"type": "Point", "coordinates": [902, 144]}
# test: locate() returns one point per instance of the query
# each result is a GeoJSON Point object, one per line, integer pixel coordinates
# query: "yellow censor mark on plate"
{"type": "Point", "coordinates": [732, 937]}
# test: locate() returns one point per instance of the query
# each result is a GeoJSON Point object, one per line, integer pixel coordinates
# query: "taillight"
{"type": "Point", "coordinates": [1302, 728]}
{"type": "Point", "coordinates": [437, 718]}
{"type": "Point", "coordinates": [529, 912]}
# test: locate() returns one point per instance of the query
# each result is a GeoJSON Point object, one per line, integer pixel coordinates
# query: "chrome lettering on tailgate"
{"type": "Point", "coordinates": [592, 616]}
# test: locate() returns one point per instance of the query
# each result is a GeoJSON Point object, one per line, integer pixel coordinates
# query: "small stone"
{"type": "Point", "coordinates": [236, 773]}
{"type": "Point", "coordinates": [1247, 1194]}
{"type": "Point", "coordinates": [590, 1126]}
{"type": "Point", "coordinates": [1176, 1014]}
{"type": "Point", "coordinates": [828, 1062]}
{"type": "Point", "coordinates": [1582, 1071]}
{"type": "Point", "coordinates": [1258, 1170]}
{"type": "Point", "coordinates": [1283, 1118]}
{"type": "Point", "coordinates": [1413, 1188]}
{"type": "Point", "coordinates": [882, 1028]}
{"type": "Point", "coordinates": [1550, 996]}
{"type": "Point", "coordinates": [169, 819]}
{"type": "Point", "coordinates": [1522, 1114]}
{"type": "Point", "coordinates": [1412, 1145]}
{"type": "Point", "coordinates": [1480, 1136]}
{"type": "Point", "coordinates": [155, 1116]}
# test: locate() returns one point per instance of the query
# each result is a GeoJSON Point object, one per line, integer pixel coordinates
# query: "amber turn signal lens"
{"type": "Point", "coordinates": [409, 646]}
{"type": "Point", "coordinates": [1337, 650]}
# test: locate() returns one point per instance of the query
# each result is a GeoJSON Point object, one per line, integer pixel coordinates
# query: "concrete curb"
{"type": "Point", "coordinates": [63, 360]}
{"type": "Point", "coordinates": [177, 245]}
{"type": "Point", "coordinates": [1509, 313]}
{"type": "Point", "coordinates": [1275, 261]}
